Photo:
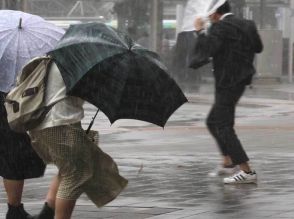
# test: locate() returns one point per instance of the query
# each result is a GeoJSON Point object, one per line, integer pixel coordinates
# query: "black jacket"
{"type": "Point", "coordinates": [232, 43]}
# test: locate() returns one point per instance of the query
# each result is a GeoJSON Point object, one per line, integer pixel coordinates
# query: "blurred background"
{"type": "Point", "coordinates": [156, 25]}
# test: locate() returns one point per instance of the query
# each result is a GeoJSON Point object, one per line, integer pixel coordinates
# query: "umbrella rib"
{"type": "Point", "coordinates": [77, 61]}
{"type": "Point", "coordinates": [15, 60]}
{"type": "Point", "coordinates": [35, 21]}
{"type": "Point", "coordinates": [6, 45]}
{"type": "Point", "coordinates": [98, 43]}
{"type": "Point", "coordinates": [118, 38]}
{"type": "Point", "coordinates": [46, 35]}
{"type": "Point", "coordinates": [29, 51]}
{"type": "Point", "coordinates": [37, 29]}
{"type": "Point", "coordinates": [7, 29]}
{"type": "Point", "coordinates": [151, 57]}
{"type": "Point", "coordinates": [39, 38]}
{"type": "Point", "coordinates": [10, 33]}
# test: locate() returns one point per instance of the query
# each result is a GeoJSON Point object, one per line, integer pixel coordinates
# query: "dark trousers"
{"type": "Point", "coordinates": [221, 120]}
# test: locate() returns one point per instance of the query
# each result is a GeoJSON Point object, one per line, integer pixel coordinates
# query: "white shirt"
{"type": "Point", "coordinates": [67, 110]}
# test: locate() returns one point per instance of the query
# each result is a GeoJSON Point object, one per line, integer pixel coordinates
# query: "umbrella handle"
{"type": "Point", "coordinates": [20, 22]}
{"type": "Point", "coordinates": [91, 123]}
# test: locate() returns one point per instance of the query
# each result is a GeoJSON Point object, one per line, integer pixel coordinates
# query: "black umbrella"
{"type": "Point", "coordinates": [108, 69]}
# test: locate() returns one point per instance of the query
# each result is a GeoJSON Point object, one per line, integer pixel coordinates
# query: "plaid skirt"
{"type": "Point", "coordinates": [83, 166]}
{"type": "Point", "coordinates": [18, 160]}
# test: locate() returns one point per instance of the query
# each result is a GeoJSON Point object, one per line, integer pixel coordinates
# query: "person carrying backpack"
{"type": "Point", "coordinates": [82, 166]}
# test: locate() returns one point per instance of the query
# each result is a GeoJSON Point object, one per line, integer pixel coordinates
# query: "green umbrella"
{"type": "Point", "coordinates": [108, 69]}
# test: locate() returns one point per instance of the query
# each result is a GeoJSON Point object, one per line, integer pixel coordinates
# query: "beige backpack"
{"type": "Point", "coordinates": [25, 103]}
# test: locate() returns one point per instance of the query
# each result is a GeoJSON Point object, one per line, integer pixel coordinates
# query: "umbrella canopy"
{"type": "Point", "coordinates": [214, 5]}
{"type": "Point", "coordinates": [124, 80]}
{"type": "Point", "coordinates": [199, 8]}
{"type": "Point", "coordinates": [23, 37]}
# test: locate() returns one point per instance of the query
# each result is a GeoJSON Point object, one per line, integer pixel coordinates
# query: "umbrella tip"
{"type": "Point", "coordinates": [20, 22]}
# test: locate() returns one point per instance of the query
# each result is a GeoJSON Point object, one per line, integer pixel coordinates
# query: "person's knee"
{"type": "Point", "coordinates": [226, 133]}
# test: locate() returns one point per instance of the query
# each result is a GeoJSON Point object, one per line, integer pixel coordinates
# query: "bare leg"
{"type": "Point", "coordinates": [227, 161]}
{"type": "Point", "coordinates": [49, 206]}
{"type": "Point", "coordinates": [51, 195]}
{"type": "Point", "coordinates": [64, 208]}
{"type": "Point", "coordinates": [14, 189]}
{"type": "Point", "coordinates": [245, 167]}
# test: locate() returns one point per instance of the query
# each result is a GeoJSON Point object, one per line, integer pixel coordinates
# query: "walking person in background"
{"type": "Point", "coordinates": [232, 43]}
{"type": "Point", "coordinates": [18, 161]}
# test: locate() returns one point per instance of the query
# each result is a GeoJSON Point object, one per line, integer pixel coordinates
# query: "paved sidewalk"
{"type": "Point", "coordinates": [167, 169]}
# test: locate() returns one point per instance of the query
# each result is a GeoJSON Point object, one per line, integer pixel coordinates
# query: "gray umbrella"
{"type": "Point", "coordinates": [23, 37]}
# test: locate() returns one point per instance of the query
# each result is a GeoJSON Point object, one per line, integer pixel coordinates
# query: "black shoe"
{"type": "Point", "coordinates": [46, 213]}
{"type": "Point", "coordinates": [17, 212]}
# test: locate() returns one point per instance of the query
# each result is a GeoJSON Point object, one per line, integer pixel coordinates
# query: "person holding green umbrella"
{"type": "Point", "coordinates": [98, 64]}
{"type": "Point", "coordinates": [82, 166]}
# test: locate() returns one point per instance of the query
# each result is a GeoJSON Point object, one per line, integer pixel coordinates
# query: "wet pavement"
{"type": "Point", "coordinates": [167, 168]}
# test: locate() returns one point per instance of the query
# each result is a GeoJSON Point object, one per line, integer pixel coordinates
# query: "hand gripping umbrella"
{"type": "Point", "coordinates": [124, 80]}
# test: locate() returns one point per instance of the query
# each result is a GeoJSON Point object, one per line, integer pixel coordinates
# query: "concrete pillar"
{"type": "Point", "coordinates": [156, 25]}
{"type": "Point", "coordinates": [179, 16]}
{"type": "Point", "coordinates": [262, 13]}
{"type": "Point", "coordinates": [291, 40]}
{"type": "Point", "coordinates": [247, 13]}
{"type": "Point", "coordinates": [3, 4]}
{"type": "Point", "coordinates": [24, 5]}
{"type": "Point", "coordinates": [11, 4]}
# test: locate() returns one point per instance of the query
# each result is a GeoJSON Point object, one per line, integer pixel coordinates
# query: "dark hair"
{"type": "Point", "coordinates": [225, 8]}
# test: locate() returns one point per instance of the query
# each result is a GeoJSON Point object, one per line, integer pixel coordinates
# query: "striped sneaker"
{"type": "Point", "coordinates": [241, 178]}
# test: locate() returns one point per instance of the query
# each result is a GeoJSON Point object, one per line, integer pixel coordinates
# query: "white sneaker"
{"type": "Point", "coordinates": [241, 178]}
{"type": "Point", "coordinates": [223, 171]}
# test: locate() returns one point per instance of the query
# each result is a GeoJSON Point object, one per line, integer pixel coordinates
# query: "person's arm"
{"type": "Point", "coordinates": [208, 43]}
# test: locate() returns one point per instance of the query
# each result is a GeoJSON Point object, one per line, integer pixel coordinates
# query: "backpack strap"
{"type": "Point", "coordinates": [30, 92]}
{"type": "Point", "coordinates": [48, 65]}
{"type": "Point", "coordinates": [15, 104]}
